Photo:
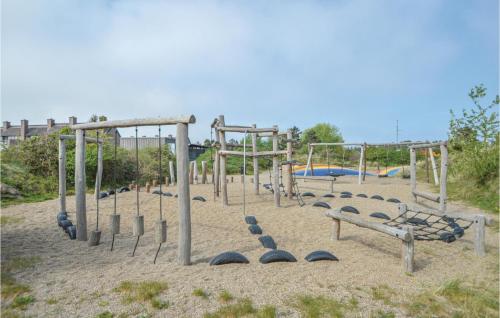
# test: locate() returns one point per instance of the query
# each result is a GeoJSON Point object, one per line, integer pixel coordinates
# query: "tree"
{"type": "Point", "coordinates": [322, 132]}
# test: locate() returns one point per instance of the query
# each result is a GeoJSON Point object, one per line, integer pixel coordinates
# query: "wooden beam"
{"type": "Point", "coordinates": [182, 155]}
{"type": "Point", "coordinates": [249, 154]}
{"type": "Point", "coordinates": [73, 137]}
{"type": "Point", "coordinates": [98, 177]}
{"type": "Point", "coordinates": [289, 154]}
{"type": "Point", "coordinates": [428, 145]}
{"type": "Point", "coordinates": [223, 172]}
{"type": "Point", "coordinates": [434, 168]}
{"type": "Point", "coordinates": [62, 176]}
{"type": "Point", "coordinates": [379, 227]}
{"type": "Point", "coordinates": [443, 196]}
{"type": "Point", "coordinates": [428, 196]}
{"type": "Point", "coordinates": [360, 167]}
{"type": "Point", "coordinates": [135, 122]}
{"type": "Point", "coordinates": [247, 130]}
{"type": "Point", "coordinates": [276, 171]}
{"type": "Point", "coordinates": [413, 172]}
{"type": "Point", "coordinates": [479, 234]}
{"type": "Point", "coordinates": [203, 172]}
{"type": "Point", "coordinates": [408, 250]}
{"type": "Point", "coordinates": [172, 172]}
{"type": "Point", "coordinates": [80, 187]}
{"type": "Point", "coordinates": [255, 163]}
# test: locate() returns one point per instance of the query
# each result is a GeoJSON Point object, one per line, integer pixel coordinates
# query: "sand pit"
{"type": "Point", "coordinates": [82, 278]}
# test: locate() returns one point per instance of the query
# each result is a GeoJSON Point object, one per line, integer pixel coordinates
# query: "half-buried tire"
{"type": "Point", "coordinates": [380, 215]}
{"type": "Point", "coordinates": [199, 198]}
{"type": "Point", "coordinates": [123, 189]}
{"type": "Point", "coordinates": [167, 194]}
{"type": "Point", "coordinates": [447, 237]}
{"type": "Point", "coordinates": [362, 195]}
{"type": "Point", "coordinates": [103, 195]}
{"type": "Point", "coordinates": [377, 197]}
{"type": "Point", "coordinates": [255, 229]}
{"type": "Point", "coordinates": [349, 209]}
{"type": "Point", "coordinates": [320, 256]}
{"type": "Point", "coordinates": [328, 195]}
{"type": "Point", "coordinates": [277, 256]}
{"type": "Point", "coordinates": [322, 205]}
{"type": "Point", "coordinates": [268, 242]}
{"type": "Point", "coordinates": [345, 196]}
{"type": "Point", "coordinates": [250, 219]}
{"type": "Point", "coordinates": [393, 200]}
{"type": "Point", "coordinates": [308, 194]}
{"type": "Point", "coordinates": [229, 258]}
{"type": "Point", "coordinates": [346, 192]}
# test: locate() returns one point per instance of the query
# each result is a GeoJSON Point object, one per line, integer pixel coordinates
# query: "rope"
{"type": "Point", "coordinates": [428, 227]}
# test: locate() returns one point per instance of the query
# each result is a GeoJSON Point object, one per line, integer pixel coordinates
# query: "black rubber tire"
{"type": "Point", "coordinates": [308, 194]}
{"type": "Point", "coordinates": [111, 191]}
{"type": "Point", "coordinates": [322, 205]}
{"type": "Point", "coordinates": [417, 221]}
{"type": "Point", "coordinates": [362, 195]}
{"type": "Point", "coordinates": [71, 230]}
{"type": "Point", "coordinates": [156, 192]}
{"type": "Point", "coordinates": [250, 219]}
{"type": "Point", "coordinates": [320, 256]}
{"type": "Point", "coordinates": [199, 198]}
{"type": "Point", "coordinates": [255, 229]}
{"type": "Point", "coordinates": [268, 242]}
{"type": "Point", "coordinates": [377, 197]}
{"type": "Point", "coordinates": [123, 189]}
{"type": "Point", "coordinates": [349, 209]}
{"type": "Point", "coordinates": [229, 258]}
{"type": "Point", "coordinates": [346, 192]}
{"type": "Point", "coordinates": [393, 200]}
{"type": "Point", "coordinates": [458, 231]}
{"type": "Point", "coordinates": [65, 224]}
{"type": "Point", "coordinates": [346, 196]}
{"type": "Point", "coordinates": [167, 194]}
{"type": "Point", "coordinates": [277, 256]}
{"type": "Point", "coordinates": [380, 215]}
{"type": "Point", "coordinates": [328, 195]}
{"type": "Point", "coordinates": [61, 216]}
{"type": "Point", "coordinates": [447, 237]}
{"type": "Point", "coordinates": [103, 195]}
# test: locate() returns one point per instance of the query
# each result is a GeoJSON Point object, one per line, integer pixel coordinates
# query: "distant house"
{"type": "Point", "coordinates": [152, 142]}
{"type": "Point", "coordinates": [11, 134]}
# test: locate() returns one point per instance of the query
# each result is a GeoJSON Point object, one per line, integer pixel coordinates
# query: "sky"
{"type": "Point", "coordinates": [359, 65]}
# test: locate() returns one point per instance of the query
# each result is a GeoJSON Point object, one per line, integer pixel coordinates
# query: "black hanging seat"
{"type": "Point", "coordinates": [255, 229]}
{"type": "Point", "coordinates": [349, 209]}
{"type": "Point", "coordinates": [268, 242]}
{"type": "Point", "coordinates": [321, 205]}
{"type": "Point", "coordinates": [229, 258]}
{"type": "Point", "coordinates": [111, 191]}
{"type": "Point", "coordinates": [277, 256]}
{"type": "Point", "coordinates": [250, 219]}
{"type": "Point", "coordinates": [61, 216]}
{"type": "Point", "coordinates": [380, 215]}
{"type": "Point", "coordinates": [320, 256]}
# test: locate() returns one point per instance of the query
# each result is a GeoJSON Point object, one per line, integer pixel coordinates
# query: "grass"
{"type": "Point", "coordinates": [4, 219]}
{"type": "Point", "coordinates": [320, 306]}
{"type": "Point", "coordinates": [242, 308]}
{"type": "Point", "coordinates": [103, 303]}
{"type": "Point", "coordinates": [51, 301]}
{"type": "Point", "coordinates": [159, 304]}
{"type": "Point", "coordinates": [10, 287]}
{"type": "Point", "coordinates": [140, 292]}
{"type": "Point", "coordinates": [225, 296]}
{"type": "Point", "coordinates": [382, 314]}
{"type": "Point", "coordinates": [22, 302]}
{"type": "Point", "coordinates": [105, 314]}
{"type": "Point", "coordinates": [383, 293]}
{"type": "Point", "coordinates": [32, 198]}
{"type": "Point", "coordinates": [198, 292]}
{"type": "Point", "coordinates": [456, 299]}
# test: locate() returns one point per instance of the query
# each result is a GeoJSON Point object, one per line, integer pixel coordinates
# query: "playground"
{"type": "Point", "coordinates": [71, 277]}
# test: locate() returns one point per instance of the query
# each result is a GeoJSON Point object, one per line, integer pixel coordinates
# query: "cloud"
{"type": "Point", "coordinates": [258, 62]}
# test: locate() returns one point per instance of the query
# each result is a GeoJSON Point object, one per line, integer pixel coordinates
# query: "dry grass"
{"type": "Point", "coordinates": [198, 292]}
{"type": "Point", "coordinates": [320, 306]}
{"type": "Point", "coordinates": [243, 308]}
{"type": "Point", "coordinates": [140, 292]}
{"type": "Point", "coordinates": [225, 296]}
{"type": "Point", "coordinates": [4, 220]}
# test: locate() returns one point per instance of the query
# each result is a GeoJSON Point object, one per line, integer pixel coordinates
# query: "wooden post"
{"type": "Point", "coordinates": [360, 177]}
{"type": "Point", "coordinates": [195, 172]}
{"type": "Point", "coordinates": [276, 171]}
{"type": "Point", "coordinates": [289, 154]}
{"type": "Point", "coordinates": [434, 168]}
{"type": "Point", "coordinates": [216, 168]}
{"type": "Point", "coordinates": [403, 208]}
{"type": "Point", "coordinates": [413, 172]}
{"type": "Point", "coordinates": [203, 172]}
{"type": "Point", "coordinates": [408, 250]}
{"type": "Point", "coordinates": [427, 166]}
{"type": "Point", "coordinates": [182, 155]}
{"type": "Point", "coordinates": [62, 176]}
{"type": "Point", "coordinates": [167, 181]}
{"type": "Point", "coordinates": [222, 137]}
{"type": "Point", "coordinates": [172, 172]}
{"type": "Point", "coordinates": [335, 229]}
{"type": "Point", "coordinates": [443, 197]}
{"type": "Point", "coordinates": [479, 243]}
{"type": "Point", "coordinates": [309, 161]}
{"type": "Point", "coordinates": [255, 163]}
{"type": "Point", "coordinates": [155, 182]}
{"type": "Point", "coordinates": [365, 147]}
{"type": "Point", "coordinates": [191, 172]}
{"type": "Point", "coordinates": [148, 187]}
{"type": "Point", "coordinates": [98, 176]}
{"type": "Point", "coordinates": [80, 187]}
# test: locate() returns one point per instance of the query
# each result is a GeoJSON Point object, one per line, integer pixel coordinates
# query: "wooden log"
{"type": "Point", "coordinates": [223, 128]}
{"type": "Point", "coordinates": [365, 148]}
{"type": "Point", "coordinates": [255, 163]}
{"type": "Point", "coordinates": [191, 173]}
{"type": "Point", "coordinates": [479, 235]}
{"type": "Point", "coordinates": [276, 171]}
{"type": "Point", "coordinates": [443, 196]}
{"type": "Point", "coordinates": [335, 229]}
{"type": "Point", "coordinates": [434, 168]}
{"type": "Point", "coordinates": [360, 167]}
{"type": "Point", "coordinates": [138, 225]}
{"type": "Point", "coordinates": [195, 172]}
{"type": "Point", "coordinates": [216, 168]}
{"type": "Point", "coordinates": [73, 137]}
{"type": "Point", "coordinates": [160, 231]}
{"type": "Point", "coordinates": [95, 237]}
{"type": "Point", "coordinates": [155, 183]}
{"type": "Point", "coordinates": [289, 154]}
{"type": "Point", "coordinates": [403, 209]}
{"type": "Point", "coordinates": [428, 196]}
{"type": "Point", "coordinates": [172, 172]}
{"type": "Point", "coordinates": [148, 187]}
{"type": "Point", "coordinates": [114, 223]}
{"type": "Point", "coordinates": [62, 176]}
{"type": "Point", "coordinates": [256, 154]}
{"type": "Point", "coordinates": [427, 145]}
{"type": "Point", "coordinates": [203, 172]}
{"type": "Point", "coordinates": [309, 161]}
{"type": "Point", "coordinates": [98, 177]}
{"type": "Point", "coordinates": [182, 155]}
{"type": "Point", "coordinates": [379, 227]}
{"type": "Point", "coordinates": [413, 172]}
{"type": "Point", "coordinates": [80, 187]}
{"type": "Point", "coordinates": [408, 250]}
{"type": "Point", "coordinates": [167, 181]}
{"type": "Point", "coordinates": [222, 140]}
{"type": "Point", "coordinates": [135, 123]}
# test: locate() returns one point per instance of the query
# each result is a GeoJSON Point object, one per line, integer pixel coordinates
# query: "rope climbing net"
{"type": "Point", "coordinates": [430, 227]}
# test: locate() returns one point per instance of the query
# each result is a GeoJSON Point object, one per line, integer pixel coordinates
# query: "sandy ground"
{"type": "Point", "coordinates": [72, 272]}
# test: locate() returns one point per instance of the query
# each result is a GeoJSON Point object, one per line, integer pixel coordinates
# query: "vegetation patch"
{"type": "Point", "coordinates": [159, 303]}
{"type": "Point", "coordinates": [225, 296]}
{"type": "Point", "coordinates": [382, 314]}
{"type": "Point", "coordinates": [105, 314]}
{"type": "Point", "coordinates": [198, 292]}
{"type": "Point", "coordinates": [140, 292]}
{"type": "Point", "coordinates": [4, 219]}
{"type": "Point", "coordinates": [243, 308]}
{"type": "Point", "coordinates": [456, 299]}
{"type": "Point", "coordinates": [320, 306]}
{"type": "Point", "coordinates": [383, 293]}
{"type": "Point", "coordinates": [22, 302]}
